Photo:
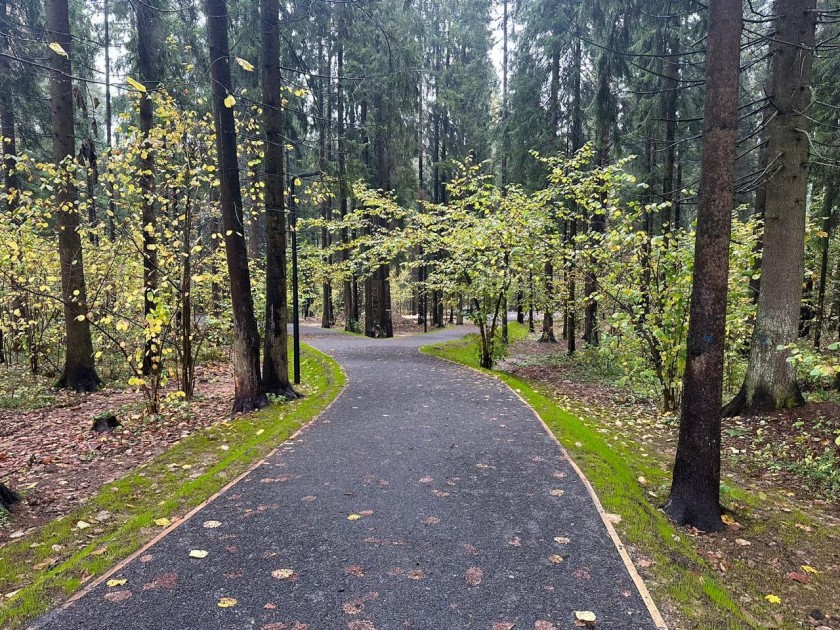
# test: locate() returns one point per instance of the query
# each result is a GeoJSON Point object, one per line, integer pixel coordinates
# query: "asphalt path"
{"type": "Point", "coordinates": [427, 496]}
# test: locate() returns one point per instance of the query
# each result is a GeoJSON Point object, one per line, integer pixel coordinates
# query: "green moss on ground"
{"type": "Point", "coordinates": [45, 568]}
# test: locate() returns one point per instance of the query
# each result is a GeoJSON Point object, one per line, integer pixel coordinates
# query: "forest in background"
{"type": "Point", "coordinates": [438, 159]}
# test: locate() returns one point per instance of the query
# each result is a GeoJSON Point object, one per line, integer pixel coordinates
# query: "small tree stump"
{"type": "Point", "coordinates": [8, 497]}
{"type": "Point", "coordinates": [105, 422]}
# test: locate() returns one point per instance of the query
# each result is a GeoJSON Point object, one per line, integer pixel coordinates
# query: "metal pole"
{"type": "Point", "coordinates": [295, 308]}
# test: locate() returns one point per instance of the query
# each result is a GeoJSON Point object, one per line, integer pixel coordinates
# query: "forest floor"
{"type": "Point", "coordinates": [779, 486]}
{"type": "Point", "coordinates": [52, 456]}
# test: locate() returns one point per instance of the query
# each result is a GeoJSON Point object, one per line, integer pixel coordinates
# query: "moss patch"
{"type": "Point", "coordinates": [44, 568]}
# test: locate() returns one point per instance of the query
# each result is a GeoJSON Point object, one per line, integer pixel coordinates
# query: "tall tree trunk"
{"type": "Point", "coordinates": [148, 49]}
{"type": "Point", "coordinates": [577, 143]}
{"type": "Point", "coordinates": [79, 371]}
{"type": "Point", "coordinates": [323, 165]}
{"type": "Point", "coordinates": [275, 349]}
{"type": "Point", "coordinates": [695, 489]}
{"type": "Point", "coordinates": [669, 115]}
{"type": "Point", "coordinates": [770, 382]}
{"type": "Point", "coordinates": [112, 206]}
{"type": "Point", "coordinates": [350, 324]}
{"type": "Point", "coordinates": [248, 390]}
{"type": "Point", "coordinates": [825, 241]}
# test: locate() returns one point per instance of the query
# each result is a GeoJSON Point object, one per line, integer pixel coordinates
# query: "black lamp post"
{"type": "Point", "coordinates": [295, 299]}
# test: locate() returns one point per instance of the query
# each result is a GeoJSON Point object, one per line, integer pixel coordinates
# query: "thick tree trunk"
{"type": "Point", "coordinates": [695, 489]}
{"type": "Point", "coordinates": [248, 389]}
{"type": "Point", "coordinates": [148, 49]}
{"type": "Point", "coordinates": [770, 382]}
{"type": "Point", "coordinates": [79, 371]}
{"type": "Point", "coordinates": [275, 350]}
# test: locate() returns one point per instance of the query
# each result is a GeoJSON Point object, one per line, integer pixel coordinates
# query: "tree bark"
{"type": "Point", "coordinates": [275, 349]}
{"type": "Point", "coordinates": [248, 390]}
{"type": "Point", "coordinates": [148, 48]}
{"type": "Point", "coordinates": [825, 242]}
{"type": "Point", "coordinates": [79, 371]}
{"type": "Point", "coordinates": [770, 382]}
{"type": "Point", "coordinates": [695, 489]}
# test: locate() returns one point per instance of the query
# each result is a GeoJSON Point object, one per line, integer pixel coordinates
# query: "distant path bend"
{"type": "Point", "coordinates": [463, 514]}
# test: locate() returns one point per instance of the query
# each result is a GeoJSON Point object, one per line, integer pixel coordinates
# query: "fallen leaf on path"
{"type": "Point", "coordinates": [426, 479]}
{"type": "Point", "coordinates": [282, 574]}
{"type": "Point", "coordinates": [416, 574]}
{"type": "Point", "coordinates": [557, 492]}
{"type": "Point", "coordinates": [585, 615]}
{"type": "Point", "coordinates": [113, 583]}
{"type": "Point", "coordinates": [211, 524]}
{"type": "Point", "coordinates": [354, 517]}
{"type": "Point", "coordinates": [355, 570]}
{"type": "Point", "coordinates": [198, 553]}
{"type": "Point", "coordinates": [474, 576]}
{"type": "Point", "coordinates": [361, 625]}
{"type": "Point", "coordinates": [503, 625]}
{"type": "Point", "coordinates": [117, 596]}
{"type": "Point", "coordinates": [562, 540]}
{"type": "Point", "coordinates": [432, 520]}
{"type": "Point", "coordinates": [544, 625]}
{"type": "Point", "coordinates": [555, 558]}
{"type": "Point", "coordinates": [226, 602]}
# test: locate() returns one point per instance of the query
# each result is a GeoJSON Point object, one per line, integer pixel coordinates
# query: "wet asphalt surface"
{"type": "Point", "coordinates": [463, 513]}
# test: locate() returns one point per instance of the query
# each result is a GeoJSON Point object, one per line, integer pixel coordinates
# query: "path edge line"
{"type": "Point", "coordinates": [641, 587]}
{"type": "Point", "coordinates": [171, 528]}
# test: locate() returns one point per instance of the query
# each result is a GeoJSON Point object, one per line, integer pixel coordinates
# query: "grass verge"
{"type": "Point", "coordinates": [682, 580]}
{"type": "Point", "coordinates": [41, 570]}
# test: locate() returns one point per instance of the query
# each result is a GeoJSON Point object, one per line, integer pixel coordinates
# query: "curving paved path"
{"type": "Point", "coordinates": [464, 513]}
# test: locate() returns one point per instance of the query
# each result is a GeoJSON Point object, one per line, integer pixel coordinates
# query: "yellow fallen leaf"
{"type": "Point", "coordinates": [135, 84]}
{"type": "Point", "coordinates": [247, 66]}
{"type": "Point", "coordinates": [211, 524]}
{"type": "Point", "coordinates": [587, 616]}
{"type": "Point", "coordinates": [58, 49]}
{"type": "Point", "coordinates": [809, 569]}
{"type": "Point", "coordinates": [555, 558]}
{"type": "Point", "coordinates": [198, 553]}
{"type": "Point", "coordinates": [261, 431]}
{"type": "Point", "coordinates": [163, 522]}
{"type": "Point", "coordinates": [282, 574]}
{"type": "Point", "coordinates": [773, 599]}
{"type": "Point", "coordinates": [113, 583]}
{"type": "Point", "coordinates": [226, 602]}
{"type": "Point", "coordinates": [230, 101]}
{"type": "Point", "coordinates": [353, 517]}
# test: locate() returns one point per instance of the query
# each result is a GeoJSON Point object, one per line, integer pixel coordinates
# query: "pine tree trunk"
{"type": "Point", "coordinates": [248, 390]}
{"type": "Point", "coordinates": [148, 49]}
{"type": "Point", "coordinates": [695, 489]}
{"type": "Point", "coordinates": [770, 382]}
{"type": "Point", "coordinates": [79, 371]}
{"type": "Point", "coordinates": [275, 348]}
